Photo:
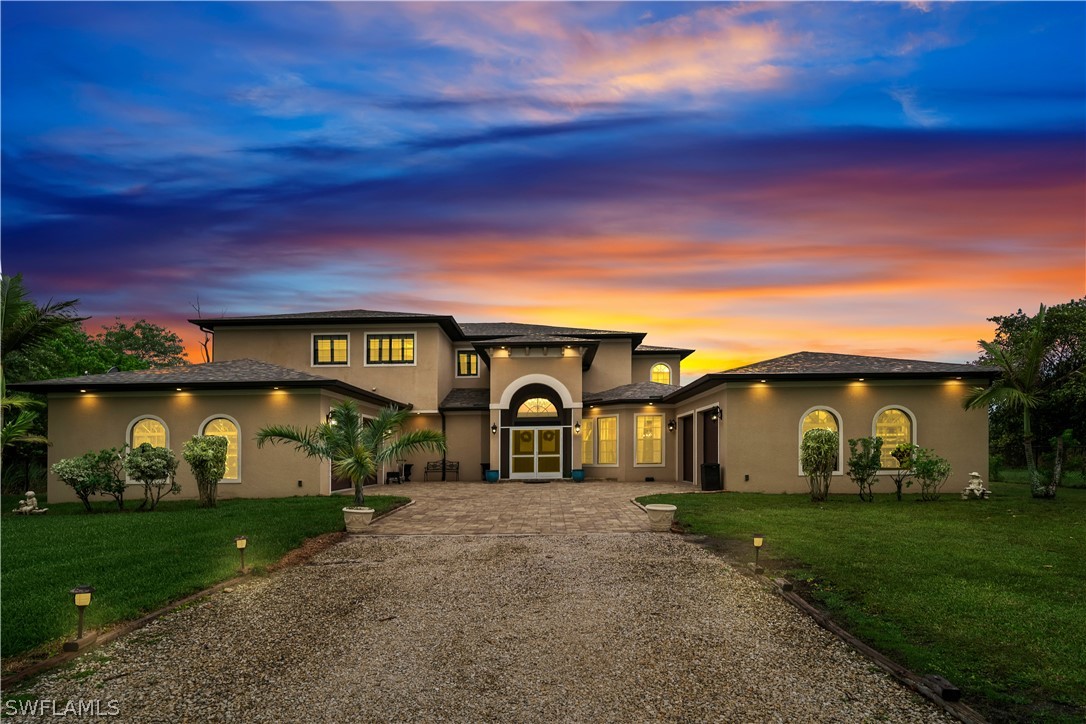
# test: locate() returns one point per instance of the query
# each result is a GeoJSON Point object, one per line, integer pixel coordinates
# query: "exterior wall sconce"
{"type": "Point", "coordinates": [241, 541]}
{"type": "Point", "coordinates": [715, 413]}
{"type": "Point", "coordinates": [81, 596]}
{"type": "Point", "coordinates": [759, 541]}
{"type": "Point", "coordinates": [671, 425]}
{"type": "Point", "coordinates": [577, 428]}
{"type": "Point", "coordinates": [328, 418]}
{"type": "Point", "coordinates": [493, 429]}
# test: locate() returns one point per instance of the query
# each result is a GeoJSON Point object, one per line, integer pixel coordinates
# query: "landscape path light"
{"type": "Point", "coordinates": [759, 541]}
{"type": "Point", "coordinates": [241, 541]}
{"type": "Point", "coordinates": [81, 596]}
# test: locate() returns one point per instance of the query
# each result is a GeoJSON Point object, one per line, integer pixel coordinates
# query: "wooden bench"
{"type": "Point", "coordinates": [442, 469]}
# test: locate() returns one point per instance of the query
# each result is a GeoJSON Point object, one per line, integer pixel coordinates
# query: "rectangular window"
{"type": "Point", "coordinates": [329, 349]}
{"type": "Point", "coordinates": [390, 349]}
{"type": "Point", "coordinates": [650, 439]}
{"type": "Point", "coordinates": [588, 442]}
{"type": "Point", "coordinates": [607, 440]}
{"type": "Point", "coordinates": [467, 363]}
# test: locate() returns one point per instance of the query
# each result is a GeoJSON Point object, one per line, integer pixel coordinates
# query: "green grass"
{"type": "Point", "coordinates": [989, 594]}
{"type": "Point", "coordinates": [1071, 478]}
{"type": "Point", "coordinates": [139, 562]}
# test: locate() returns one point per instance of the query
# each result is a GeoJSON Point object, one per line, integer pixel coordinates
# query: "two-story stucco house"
{"type": "Point", "coordinates": [532, 401]}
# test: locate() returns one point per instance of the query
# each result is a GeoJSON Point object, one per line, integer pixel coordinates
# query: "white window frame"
{"type": "Point", "coordinates": [456, 363]}
{"type": "Point", "coordinates": [414, 346]}
{"type": "Point", "coordinates": [618, 441]}
{"type": "Point", "coordinates": [670, 372]}
{"type": "Point", "coordinates": [237, 426]}
{"type": "Point", "coordinates": [663, 447]}
{"type": "Point", "coordinates": [912, 419]}
{"type": "Point", "coordinates": [128, 438]}
{"type": "Point", "coordinates": [313, 350]}
{"type": "Point", "coordinates": [840, 470]}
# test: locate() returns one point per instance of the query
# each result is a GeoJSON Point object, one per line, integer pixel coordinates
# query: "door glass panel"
{"type": "Point", "coordinates": [523, 442]}
{"type": "Point", "coordinates": [548, 442]}
{"type": "Point", "coordinates": [550, 463]}
{"type": "Point", "coordinates": [524, 465]}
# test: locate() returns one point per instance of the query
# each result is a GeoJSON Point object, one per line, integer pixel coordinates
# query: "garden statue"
{"type": "Point", "coordinates": [29, 505]}
{"type": "Point", "coordinates": [976, 488]}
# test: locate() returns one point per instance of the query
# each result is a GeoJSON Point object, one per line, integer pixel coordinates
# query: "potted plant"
{"type": "Point", "coordinates": [492, 475]}
{"type": "Point", "coordinates": [578, 475]}
{"type": "Point", "coordinates": [356, 450]}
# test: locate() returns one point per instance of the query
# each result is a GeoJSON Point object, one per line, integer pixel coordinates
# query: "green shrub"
{"type": "Point", "coordinates": [905, 454]}
{"type": "Point", "coordinates": [94, 473]}
{"type": "Point", "coordinates": [206, 455]}
{"type": "Point", "coordinates": [818, 457]}
{"type": "Point", "coordinates": [154, 468]}
{"type": "Point", "coordinates": [931, 471]}
{"type": "Point", "coordinates": [864, 463]}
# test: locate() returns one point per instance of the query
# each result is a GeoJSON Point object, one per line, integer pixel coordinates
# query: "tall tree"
{"type": "Point", "coordinates": [145, 341]}
{"type": "Point", "coordinates": [1031, 367]}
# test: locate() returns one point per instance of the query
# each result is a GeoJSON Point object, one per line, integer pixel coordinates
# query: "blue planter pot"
{"type": "Point", "coordinates": [492, 476]}
{"type": "Point", "coordinates": [578, 476]}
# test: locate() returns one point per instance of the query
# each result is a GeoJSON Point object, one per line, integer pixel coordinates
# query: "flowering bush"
{"type": "Point", "coordinates": [206, 455]}
{"type": "Point", "coordinates": [154, 468]}
{"type": "Point", "coordinates": [94, 473]}
{"type": "Point", "coordinates": [818, 456]}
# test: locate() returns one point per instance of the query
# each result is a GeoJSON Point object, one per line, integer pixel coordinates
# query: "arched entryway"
{"type": "Point", "coordinates": [537, 441]}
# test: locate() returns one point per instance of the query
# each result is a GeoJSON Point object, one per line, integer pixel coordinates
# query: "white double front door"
{"type": "Point", "coordinates": [536, 452]}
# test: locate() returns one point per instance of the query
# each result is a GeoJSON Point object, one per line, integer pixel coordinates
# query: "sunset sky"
{"type": "Point", "coordinates": [747, 179]}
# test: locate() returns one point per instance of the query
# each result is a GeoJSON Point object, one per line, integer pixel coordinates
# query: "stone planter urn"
{"type": "Point", "coordinates": [660, 516]}
{"type": "Point", "coordinates": [357, 519]}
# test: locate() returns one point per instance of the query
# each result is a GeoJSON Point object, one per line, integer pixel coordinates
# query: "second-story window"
{"type": "Point", "coordinates": [467, 363]}
{"type": "Point", "coordinates": [329, 349]}
{"type": "Point", "coordinates": [390, 349]}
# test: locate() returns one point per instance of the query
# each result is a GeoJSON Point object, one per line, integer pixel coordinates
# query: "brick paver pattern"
{"type": "Point", "coordinates": [453, 508]}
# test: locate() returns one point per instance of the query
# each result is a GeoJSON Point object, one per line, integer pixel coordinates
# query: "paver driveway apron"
{"type": "Point", "coordinates": [509, 508]}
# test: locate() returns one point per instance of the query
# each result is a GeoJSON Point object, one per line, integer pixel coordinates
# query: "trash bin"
{"type": "Point", "coordinates": [710, 477]}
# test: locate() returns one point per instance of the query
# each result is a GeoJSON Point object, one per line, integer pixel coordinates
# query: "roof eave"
{"type": "Point", "coordinates": [447, 323]}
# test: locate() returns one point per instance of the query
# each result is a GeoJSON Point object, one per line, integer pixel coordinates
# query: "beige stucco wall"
{"type": "Point", "coordinates": [423, 384]}
{"type": "Point", "coordinates": [480, 382]}
{"type": "Point", "coordinates": [468, 438]}
{"type": "Point", "coordinates": [510, 366]}
{"type": "Point", "coordinates": [642, 367]}
{"type": "Point", "coordinates": [611, 366]}
{"type": "Point", "coordinates": [627, 468]}
{"type": "Point", "coordinates": [761, 428]}
{"type": "Point", "coordinates": [82, 422]}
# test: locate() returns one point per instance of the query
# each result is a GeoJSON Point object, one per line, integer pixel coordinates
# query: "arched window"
{"type": "Point", "coordinates": [822, 418]}
{"type": "Point", "coordinates": [895, 426]}
{"type": "Point", "coordinates": [661, 373]}
{"type": "Point", "coordinates": [226, 427]}
{"type": "Point", "coordinates": [148, 429]}
{"type": "Point", "coordinates": [537, 407]}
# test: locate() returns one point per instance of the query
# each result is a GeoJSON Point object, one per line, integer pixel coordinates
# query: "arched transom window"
{"type": "Point", "coordinates": [537, 407]}
{"type": "Point", "coordinates": [148, 430]}
{"type": "Point", "coordinates": [819, 420]}
{"type": "Point", "coordinates": [895, 427]}
{"type": "Point", "coordinates": [661, 373]}
{"type": "Point", "coordinates": [223, 427]}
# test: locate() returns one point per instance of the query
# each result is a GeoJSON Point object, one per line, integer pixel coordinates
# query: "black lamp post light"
{"type": "Point", "coordinates": [81, 596]}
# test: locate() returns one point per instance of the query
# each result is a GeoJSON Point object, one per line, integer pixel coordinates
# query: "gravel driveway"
{"type": "Point", "coordinates": [582, 628]}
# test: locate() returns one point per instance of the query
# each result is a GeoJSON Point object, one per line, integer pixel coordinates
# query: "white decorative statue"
{"type": "Point", "coordinates": [29, 505]}
{"type": "Point", "coordinates": [976, 488]}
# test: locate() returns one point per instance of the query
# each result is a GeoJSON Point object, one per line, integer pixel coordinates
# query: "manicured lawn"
{"type": "Point", "coordinates": [140, 561]}
{"type": "Point", "coordinates": [1071, 478]}
{"type": "Point", "coordinates": [990, 594]}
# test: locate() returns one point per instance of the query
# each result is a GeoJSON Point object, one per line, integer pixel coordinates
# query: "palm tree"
{"type": "Point", "coordinates": [357, 448]}
{"type": "Point", "coordinates": [20, 427]}
{"type": "Point", "coordinates": [24, 325]}
{"type": "Point", "coordinates": [1021, 386]}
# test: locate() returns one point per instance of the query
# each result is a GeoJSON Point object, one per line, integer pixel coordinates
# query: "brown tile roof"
{"type": "Point", "coordinates": [636, 392]}
{"type": "Point", "coordinates": [466, 399]}
{"type": "Point", "coordinates": [830, 366]}
{"type": "Point", "coordinates": [336, 316]}
{"type": "Point", "coordinates": [539, 339]}
{"type": "Point", "coordinates": [486, 330]}
{"type": "Point", "coordinates": [648, 349]}
{"type": "Point", "coordinates": [232, 374]}
{"type": "Point", "coordinates": [802, 363]}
